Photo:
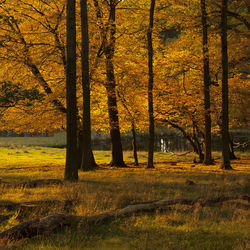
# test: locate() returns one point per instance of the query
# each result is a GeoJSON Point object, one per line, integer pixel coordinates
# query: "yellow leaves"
{"type": "Point", "coordinates": [177, 63]}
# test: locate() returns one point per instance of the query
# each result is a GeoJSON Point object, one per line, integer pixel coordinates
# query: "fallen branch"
{"type": "Point", "coordinates": [182, 154]}
{"type": "Point", "coordinates": [52, 223]}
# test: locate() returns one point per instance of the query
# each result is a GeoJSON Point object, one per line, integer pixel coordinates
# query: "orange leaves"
{"type": "Point", "coordinates": [37, 34]}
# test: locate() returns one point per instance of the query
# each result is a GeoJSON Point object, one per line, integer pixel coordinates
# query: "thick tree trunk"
{"type": "Point", "coordinates": [116, 145]}
{"type": "Point", "coordinates": [71, 168]}
{"type": "Point", "coordinates": [225, 118]}
{"type": "Point", "coordinates": [87, 163]}
{"type": "Point", "coordinates": [206, 75]}
{"type": "Point", "coordinates": [109, 50]}
{"type": "Point", "coordinates": [150, 87]}
{"type": "Point", "coordinates": [134, 144]}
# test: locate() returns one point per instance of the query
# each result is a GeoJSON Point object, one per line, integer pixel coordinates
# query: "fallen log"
{"type": "Point", "coordinates": [52, 223]}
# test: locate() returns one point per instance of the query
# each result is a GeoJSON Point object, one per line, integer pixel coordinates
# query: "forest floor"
{"type": "Point", "coordinates": [223, 226]}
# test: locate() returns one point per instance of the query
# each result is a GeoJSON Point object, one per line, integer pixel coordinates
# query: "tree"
{"type": "Point", "coordinates": [150, 87]}
{"type": "Point", "coordinates": [23, 52]}
{"type": "Point", "coordinates": [109, 50]}
{"type": "Point", "coordinates": [108, 35]}
{"type": "Point", "coordinates": [224, 64]}
{"type": "Point", "coordinates": [32, 41]}
{"type": "Point", "coordinates": [206, 74]}
{"type": "Point", "coordinates": [42, 61]}
{"type": "Point", "coordinates": [71, 168]}
{"type": "Point", "coordinates": [87, 159]}
{"type": "Point", "coordinates": [131, 118]}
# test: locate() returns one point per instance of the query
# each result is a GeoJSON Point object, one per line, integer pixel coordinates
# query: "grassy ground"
{"type": "Point", "coordinates": [57, 140]}
{"type": "Point", "coordinates": [185, 227]}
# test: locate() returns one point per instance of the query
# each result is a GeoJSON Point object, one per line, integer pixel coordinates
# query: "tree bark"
{"type": "Point", "coordinates": [231, 148]}
{"type": "Point", "coordinates": [109, 50]}
{"type": "Point", "coordinates": [80, 151]}
{"type": "Point", "coordinates": [71, 168]}
{"type": "Point", "coordinates": [225, 118]}
{"type": "Point", "coordinates": [199, 148]}
{"type": "Point", "coordinates": [206, 88]}
{"type": "Point", "coordinates": [87, 163]}
{"type": "Point", "coordinates": [150, 87]}
{"type": "Point", "coordinates": [134, 144]}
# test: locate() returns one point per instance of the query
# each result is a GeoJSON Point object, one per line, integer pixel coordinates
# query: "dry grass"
{"type": "Point", "coordinates": [107, 188]}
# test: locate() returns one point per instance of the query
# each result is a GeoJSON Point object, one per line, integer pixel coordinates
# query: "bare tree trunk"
{"type": "Point", "coordinates": [87, 163]}
{"type": "Point", "coordinates": [225, 118]}
{"type": "Point", "coordinates": [206, 74]}
{"type": "Point", "coordinates": [71, 168]}
{"type": "Point", "coordinates": [199, 148]}
{"type": "Point", "coordinates": [134, 144]}
{"type": "Point", "coordinates": [150, 87]}
{"type": "Point", "coordinates": [231, 148]}
{"type": "Point", "coordinates": [116, 145]}
{"type": "Point", "coordinates": [80, 151]}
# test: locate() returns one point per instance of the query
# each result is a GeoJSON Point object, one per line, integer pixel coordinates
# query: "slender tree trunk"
{"type": "Point", "coordinates": [231, 149]}
{"type": "Point", "coordinates": [225, 119]}
{"type": "Point", "coordinates": [206, 74]}
{"type": "Point", "coordinates": [150, 87]}
{"type": "Point", "coordinates": [199, 148]}
{"type": "Point", "coordinates": [71, 169]}
{"type": "Point", "coordinates": [198, 145]}
{"type": "Point", "coordinates": [79, 148]}
{"type": "Point", "coordinates": [116, 145]}
{"type": "Point", "coordinates": [86, 163]}
{"type": "Point", "coordinates": [134, 144]}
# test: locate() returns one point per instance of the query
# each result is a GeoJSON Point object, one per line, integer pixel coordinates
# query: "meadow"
{"type": "Point", "coordinates": [222, 226]}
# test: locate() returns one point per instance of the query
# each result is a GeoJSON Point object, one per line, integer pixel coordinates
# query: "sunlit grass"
{"type": "Point", "coordinates": [57, 140]}
{"type": "Point", "coordinates": [110, 188]}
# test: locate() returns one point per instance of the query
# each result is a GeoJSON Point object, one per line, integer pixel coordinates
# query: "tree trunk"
{"type": "Point", "coordinates": [116, 145]}
{"type": "Point", "coordinates": [231, 148]}
{"type": "Point", "coordinates": [80, 151]}
{"type": "Point", "coordinates": [134, 144]}
{"type": "Point", "coordinates": [71, 168]}
{"type": "Point", "coordinates": [225, 119]}
{"type": "Point", "coordinates": [206, 75]}
{"type": "Point", "coordinates": [87, 163]}
{"type": "Point", "coordinates": [199, 149]}
{"type": "Point", "coordinates": [150, 87]}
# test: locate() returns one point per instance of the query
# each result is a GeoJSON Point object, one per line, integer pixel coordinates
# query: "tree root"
{"type": "Point", "coordinates": [52, 223]}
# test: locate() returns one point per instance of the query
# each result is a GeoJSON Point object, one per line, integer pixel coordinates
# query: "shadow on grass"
{"type": "Point", "coordinates": [126, 234]}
